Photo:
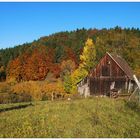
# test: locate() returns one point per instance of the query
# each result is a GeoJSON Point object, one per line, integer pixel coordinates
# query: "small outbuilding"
{"type": "Point", "coordinates": [112, 74]}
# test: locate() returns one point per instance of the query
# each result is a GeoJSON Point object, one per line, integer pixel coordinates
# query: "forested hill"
{"type": "Point", "coordinates": [34, 60]}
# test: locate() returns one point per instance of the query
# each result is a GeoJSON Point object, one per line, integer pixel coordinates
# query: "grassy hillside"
{"type": "Point", "coordinates": [95, 117]}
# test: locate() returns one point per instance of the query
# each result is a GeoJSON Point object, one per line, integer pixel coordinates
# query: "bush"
{"type": "Point", "coordinates": [13, 98]}
{"type": "Point", "coordinates": [39, 90]}
{"type": "Point", "coordinates": [4, 87]}
{"type": "Point", "coordinates": [7, 97]}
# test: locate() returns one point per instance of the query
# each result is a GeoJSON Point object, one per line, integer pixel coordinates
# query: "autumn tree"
{"type": "Point", "coordinates": [55, 70]}
{"type": "Point", "coordinates": [78, 75]}
{"type": "Point", "coordinates": [14, 69]}
{"type": "Point", "coordinates": [68, 85]}
{"type": "Point", "coordinates": [38, 64]}
{"type": "Point", "coordinates": [34, 66]}
{"type": "Point", "coordinates": [2, 73]}
{"type": "Point", "coordinates": [88, 57]}
{"type": "Point", "coordinates": [67, 67]}
{"type": "Point", "coordinates": [71, 55]}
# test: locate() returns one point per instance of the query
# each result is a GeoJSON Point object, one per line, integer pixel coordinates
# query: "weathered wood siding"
{"type": "Point", "coordinates": [107, 67]}
{"type": "Point", "coordinates": [101, 86]}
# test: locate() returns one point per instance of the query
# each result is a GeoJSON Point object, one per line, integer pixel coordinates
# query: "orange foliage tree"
{"type": "Point", "coordinates": [71, 55]}
{"type": "Point", "coordinates": [34, 66]}
{"type": "Point", "coordinates": [14, 70]}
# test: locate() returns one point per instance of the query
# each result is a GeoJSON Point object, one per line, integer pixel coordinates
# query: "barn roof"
{"type": "Point", "coordinates": [122, 64]}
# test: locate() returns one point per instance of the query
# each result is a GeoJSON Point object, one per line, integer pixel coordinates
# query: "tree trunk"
{"type": "Point", "coordinates": [52, 96]}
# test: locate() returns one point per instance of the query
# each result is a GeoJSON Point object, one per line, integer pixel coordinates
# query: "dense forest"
{"type": "Point", "coordinates": [50, 54]}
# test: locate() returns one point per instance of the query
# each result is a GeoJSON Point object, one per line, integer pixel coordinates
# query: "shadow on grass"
{"type": "Point", "coordinates": [133, 105]}
{"type": "Point", "coordinates": [15, 107]}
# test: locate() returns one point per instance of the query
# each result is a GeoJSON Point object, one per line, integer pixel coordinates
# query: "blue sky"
{"type": "Point", "coordinates": [25, 22]}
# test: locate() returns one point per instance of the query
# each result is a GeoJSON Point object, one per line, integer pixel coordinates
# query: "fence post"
{"type": "Point", "coordinates": [138, 84]}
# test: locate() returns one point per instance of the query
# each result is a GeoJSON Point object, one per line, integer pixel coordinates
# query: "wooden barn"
{"type": "Point", "coordinates": [111, 75]}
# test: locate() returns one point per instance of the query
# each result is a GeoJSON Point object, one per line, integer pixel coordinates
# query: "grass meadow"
{"type": "Point", "coordinates": [87, 118]}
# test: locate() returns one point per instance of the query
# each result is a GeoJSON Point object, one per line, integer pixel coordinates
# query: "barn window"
{"type": "Point", "coordinates": [105, 70]}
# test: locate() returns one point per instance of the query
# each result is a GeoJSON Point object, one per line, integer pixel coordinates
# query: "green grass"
{"type": "Point", "coordinates": [95, 117]}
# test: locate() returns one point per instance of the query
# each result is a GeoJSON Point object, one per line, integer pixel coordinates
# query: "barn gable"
{"type": "Point", "coordinates": [122, 64]}
{"type": "Point", "coordinates": [112, 65]}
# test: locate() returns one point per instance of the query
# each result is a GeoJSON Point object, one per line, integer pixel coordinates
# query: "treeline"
{"type": "Point", "coordinates": [47, 55]}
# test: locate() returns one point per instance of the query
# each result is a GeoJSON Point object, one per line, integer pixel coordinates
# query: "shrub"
{"type": "Point", "coordinates": [13, 98]}
{"type": "Point", "coordinates": [7, 97]}
{"type": "Point", "coordinates": [4, 87]}
{"type": "Point", "coordinates": [39, 90]}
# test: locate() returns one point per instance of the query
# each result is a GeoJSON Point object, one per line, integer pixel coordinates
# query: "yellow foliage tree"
{"type": "Point", "coordinates": [88, 56]}
{"type": "Point", "coordinates": [78, 75]}
{"type": "Point", "coordinates": [88, 59]}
